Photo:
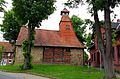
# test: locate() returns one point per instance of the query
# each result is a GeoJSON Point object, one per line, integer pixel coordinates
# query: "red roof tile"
{"type": "Point", "coordinates": [7, 45]}
{"type": "Point", "coordinates": [49, 38]}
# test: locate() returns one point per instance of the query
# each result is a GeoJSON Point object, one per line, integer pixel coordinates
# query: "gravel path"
{"type": "Point", "coordinates": [7, 75]}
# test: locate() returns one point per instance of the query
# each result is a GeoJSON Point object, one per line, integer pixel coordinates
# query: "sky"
{"type": "Point", "coordinates": [53, 20]}
{"type": "Point", "coordinates": [52, 23]}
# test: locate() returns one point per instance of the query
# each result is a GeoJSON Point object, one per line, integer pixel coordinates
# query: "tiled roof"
{"type": "Point", "coordinates": [49, 38]}
{"type": "Point", "coordinates": [7, 45]}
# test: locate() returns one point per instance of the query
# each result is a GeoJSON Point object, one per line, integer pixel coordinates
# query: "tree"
{"type": "Point", "coordinates": [78, 27]}
{"type": "Point", "coordinates": [106, 50]}
{"type": "Point", "coordinates": [32, 12]}
{"type": "Point", "coordinates": [10, 28]}
{"type": "Point", "coordinates": [88, 40]}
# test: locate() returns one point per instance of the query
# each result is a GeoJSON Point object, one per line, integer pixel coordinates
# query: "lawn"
{"type": "Point", "coordinates": [59, 71]}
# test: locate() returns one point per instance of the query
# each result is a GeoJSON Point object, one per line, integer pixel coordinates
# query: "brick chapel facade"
{"type": "Point", "coordinates": [50, 46]}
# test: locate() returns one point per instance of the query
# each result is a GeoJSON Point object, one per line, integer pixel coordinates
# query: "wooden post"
{"type": "Point", "coordinates": [53, 55]}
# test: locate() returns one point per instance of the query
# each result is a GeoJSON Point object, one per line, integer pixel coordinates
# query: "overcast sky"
{"type": "Point", "coordinates": [53, 20]}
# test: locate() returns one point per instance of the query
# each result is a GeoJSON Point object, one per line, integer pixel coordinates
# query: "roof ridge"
{"type": "Point", "coordinates": [46, 30]}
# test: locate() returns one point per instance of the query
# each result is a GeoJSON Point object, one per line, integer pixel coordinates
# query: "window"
{"type": "Point", "coordinates": [67, 27]}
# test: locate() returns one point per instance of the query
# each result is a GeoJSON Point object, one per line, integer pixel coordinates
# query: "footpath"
{"type": "Point", "coordinates": [21, 75]}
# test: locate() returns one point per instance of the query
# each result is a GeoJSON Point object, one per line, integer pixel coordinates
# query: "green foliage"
{"type": "Point", "coordinates": [99, 4]}
{"type": "Point", "coordinates": [25, 54]}
{"type": "Point", "coordinates": [25, 46]}
{"type": "Point", "coordinates": [114, 3]}
{"type": "Point", "coordinates": [10, 26]}
{"type": "Point", "coordinates": [88, 40]}
{"type": "Point", "coordinates": [78, 28]}
{"type": "Point", "coordinates": [2, 51]}
{"type": "Point", "coordinates": [33, 11]}
{"type": "Point", "coordinates": [114, 35]}
{"type": "Point", "coordinates": [10, 29]}
{"type": "Point", "coordinates": [73, 3]}
{"type": "Point", "coordinates": [85, 58]}
{"type": "Point", "coordinates": [2, 4]}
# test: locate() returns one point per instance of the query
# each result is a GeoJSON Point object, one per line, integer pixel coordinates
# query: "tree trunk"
{"type": "Point", "coordinates": [109, 65]}
{"type": "Point", "coordinates": [106, 53]}
{"type": "Point", "coordinates": [101, 45]}
{"type": "Point", "coordinates": [27, 61]}
{"type": "Point", "coordinates": [14, 52]}
{"type": "Point", "coordinates": [98, 33]}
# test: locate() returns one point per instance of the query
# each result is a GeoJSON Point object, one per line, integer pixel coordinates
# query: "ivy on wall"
{"type": "Point", "coordinates": [25, 54]}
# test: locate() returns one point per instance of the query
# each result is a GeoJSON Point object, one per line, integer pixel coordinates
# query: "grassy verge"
{"type": "Point", "coordinates": [59, 71]}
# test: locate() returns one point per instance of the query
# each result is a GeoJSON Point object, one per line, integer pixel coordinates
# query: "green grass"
{"type": "Point", "coordinates": [59, 71]}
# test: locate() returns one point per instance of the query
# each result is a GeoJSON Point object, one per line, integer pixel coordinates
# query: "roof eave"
{"type": "Point", "coordinates": [83, 47]}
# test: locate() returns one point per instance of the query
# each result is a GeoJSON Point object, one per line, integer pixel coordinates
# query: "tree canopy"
{"type": "Point", "coordinates": [33, 11]}
{"type": "Point", "coordinates": [10, 26]}
{"type": "Point", "coordinates": [79, 28]}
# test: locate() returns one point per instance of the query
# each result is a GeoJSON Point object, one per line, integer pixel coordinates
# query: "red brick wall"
{"type": "Point", "coordinates": [63, 55]}
{"type": "Point", "coordinates": [56, 55]}
{"type": "Point", "coordinates": [63, 27]}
